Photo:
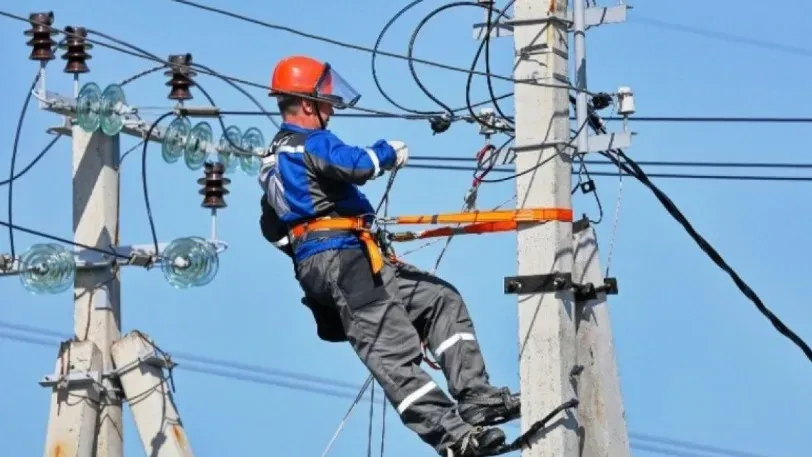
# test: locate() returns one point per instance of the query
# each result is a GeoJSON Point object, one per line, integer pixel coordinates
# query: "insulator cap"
{"type": "Point", "coordinates": [182, 75]}
{"type": "Point", "coordinates": [40, 32]}
{"type": "Point", "coordinates": [76, 46]}
{"type": "Point", "coordinates": [214, 184]}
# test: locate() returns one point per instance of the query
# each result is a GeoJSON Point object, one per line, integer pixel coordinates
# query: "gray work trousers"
{"type": "Point", "coordinates": [385, 317]}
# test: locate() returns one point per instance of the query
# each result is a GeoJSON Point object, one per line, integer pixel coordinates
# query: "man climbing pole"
{"type": "Point", "coordinates": [315, 212]}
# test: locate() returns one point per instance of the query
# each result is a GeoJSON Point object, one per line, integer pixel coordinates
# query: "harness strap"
{"type": "Point", "coordinates": [354, 224]}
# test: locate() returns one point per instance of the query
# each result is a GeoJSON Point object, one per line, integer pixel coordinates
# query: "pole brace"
{"type": "Point", "coordinates": [556, 282]}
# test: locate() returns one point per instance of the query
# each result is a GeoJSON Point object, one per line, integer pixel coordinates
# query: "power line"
{"type": "Point", "coordinates": [356, 47]}
{"type": "Point", "coordinates": [764, 44]}
{"type": "Point", "coordinates": [292, 380]}
{"type": "Point", "coordinates": [657, 163]}
{"type": "Point", "coordinates": [651, 175]}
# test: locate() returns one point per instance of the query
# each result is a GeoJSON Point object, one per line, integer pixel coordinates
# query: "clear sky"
{"type": "Point", "coordinates": [698, 362]}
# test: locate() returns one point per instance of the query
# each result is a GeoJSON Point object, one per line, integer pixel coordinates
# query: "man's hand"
{"type": "Point", "coordinates": [402, 152]}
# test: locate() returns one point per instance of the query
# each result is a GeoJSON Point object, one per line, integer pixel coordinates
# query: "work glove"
{"type": "Point", "coordinates": [402, 152]}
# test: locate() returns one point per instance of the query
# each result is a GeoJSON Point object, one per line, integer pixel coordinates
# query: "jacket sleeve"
{"type": "Point", "coordinates": [273, 228]}
{"type": "Point", "coordinates": [332, 158]}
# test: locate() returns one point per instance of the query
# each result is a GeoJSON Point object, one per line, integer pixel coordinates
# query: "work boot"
{"type": "Point", "coordinates": [478, 442]}
{"type": "Point", "coordinates": [490, 408]}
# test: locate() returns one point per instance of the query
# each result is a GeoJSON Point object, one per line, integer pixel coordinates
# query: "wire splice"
{"type": "Point", "coordinates": [182, 74]}
{"type": "Point", "coordinates": [41, 33]}
{"type": "Point", "coordinates": [214, 183]}
{"type": "Point", "coordinates": [76, 47]}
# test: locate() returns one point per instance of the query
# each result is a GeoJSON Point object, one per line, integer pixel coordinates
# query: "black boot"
{"type": "Point", "coordinates": [492, 408]}
{"type": "Point", "coordinates": [478, 442]}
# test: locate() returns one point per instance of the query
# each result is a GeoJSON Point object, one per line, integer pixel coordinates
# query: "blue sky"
{"type": "Point", "coordinates": [698, 362]}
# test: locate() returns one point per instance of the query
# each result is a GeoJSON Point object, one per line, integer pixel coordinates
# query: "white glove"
{"type": "Point", "coordinates": [402, 152]}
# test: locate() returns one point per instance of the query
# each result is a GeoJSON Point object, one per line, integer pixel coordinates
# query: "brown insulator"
{"type": "Point", "coordinates": [40, 32]}
{"type": "Point", "coordinates": [76, 47]}
{"type": "Point", "coordinates": [214, 185]}
{"type": "Point", "coordinates": [182, 74]}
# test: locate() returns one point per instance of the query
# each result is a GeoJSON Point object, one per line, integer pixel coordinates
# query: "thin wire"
{"type": "Point", "coordinates": [36, 159]}
{"type": "Point", "coordinates": [371, 417]}
{"type": "Point", "coordinates": [366, 49]}
{"type": "Point", "coordinates": [343, 422]}
{"type": "Point", "coordinates": [298, 385]}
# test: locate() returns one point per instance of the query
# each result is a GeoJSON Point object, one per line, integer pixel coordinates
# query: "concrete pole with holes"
{"type": "Point", "coordinates": [603, 418]}
{"type": "Point", "coordinates": [546, 316]}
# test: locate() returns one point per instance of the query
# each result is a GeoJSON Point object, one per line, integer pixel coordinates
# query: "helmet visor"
{"type": "Point", "coordinates": [332, 88]}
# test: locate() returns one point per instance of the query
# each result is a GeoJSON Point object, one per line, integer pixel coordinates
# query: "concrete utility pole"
{"type": "Point", "coordinates": [92, 427]}
{"type": "Point", "coordinates": [566, 348]}
{"type": "Point", "coordinates": [601, 412]}
{"type": "Point", "coordinates": [546, 317]}
{"type": "Point", "coordinates": [97, 299]}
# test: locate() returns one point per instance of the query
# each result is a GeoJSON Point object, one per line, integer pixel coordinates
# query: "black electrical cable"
{"type": "Point", "coordinates": [144, 177]}
{"type": "Point", "coordinates": [371, 417]}
{"type": "Point", "coordinates": [140, 75]}
{"type": "Point", "coordinates": [379, 86]}
{"type": "Point", "coordinates": [123, 43]}
{"type": "Point", "coordinates": [583, 169]}
{"type": "Point", "coordinates": [61, 240]}
{"type": "Point", "coordinates": [415, 33]}
{"type": "Point", "coordinates": [487, 40]}
{"type": "Point", "coordinates": [366, 49]}
{"type": "Point", "coordinates": [238, 147]}
{"type": "Point", "coordinates": [540, 164]}
{"type": "Point", "coordinates": [36, 159]}
{"type": "Point", "coordinates": [469, 80]}
{"type": "Point", "coordinates": [165, 62]}
{"type": "Point", "coordinates": [633, 169]}
{"type": "Point", "coordinates": [242, 91]}
{"type": "Point", "coordinates": [375, 55]}
{"type": "Point", "coordinates": [14, 150]}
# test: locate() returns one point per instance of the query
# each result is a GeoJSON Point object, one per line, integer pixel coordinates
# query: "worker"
{"type": "Point", "coordinates": [311, 183]}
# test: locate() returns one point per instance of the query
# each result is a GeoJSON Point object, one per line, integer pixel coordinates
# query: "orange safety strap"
{"type": "Point", "coordinates": [356, 224]}
{"type": "Point", "coordinates": [479, 222]}
{"type": "Point", "coordinates": [516, 215]}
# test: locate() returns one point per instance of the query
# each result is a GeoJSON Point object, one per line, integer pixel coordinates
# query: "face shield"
{"type": "Point", "coordinates": [332, 88]}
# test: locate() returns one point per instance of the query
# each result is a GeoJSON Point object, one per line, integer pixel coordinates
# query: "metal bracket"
{"type": "Point", "coordinates": [588, 291]}
{"type": "Point", "coordinates": [532, 284]}
{"type": "Point", "coordinates": [146, 357]}
{"type": "Point", "coordinates": [605, 142]}
{"type": "Point", "coordinates": [594, 16]}
{"type": "Point", "coordinates": [72, 378]}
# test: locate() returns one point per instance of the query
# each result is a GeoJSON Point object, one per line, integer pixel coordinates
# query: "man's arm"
{"type": "Point", "coordinates": [273, 229]}
{"type": "Point", "coordinates": [331, 157]}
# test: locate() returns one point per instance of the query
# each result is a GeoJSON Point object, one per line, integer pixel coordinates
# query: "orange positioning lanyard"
{"type": "Point", "coordinates": [478, 221]}
{"type": "Point", "coordinates": [355, 224]}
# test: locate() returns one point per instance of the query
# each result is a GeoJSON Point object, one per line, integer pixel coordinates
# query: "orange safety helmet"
{"type": "Point", "coordinates": [301, 75]}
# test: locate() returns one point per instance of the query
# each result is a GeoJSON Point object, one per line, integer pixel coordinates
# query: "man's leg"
{"type": "Point", "coordinates": [441, 316]}
{"type": "Point", "coordinates": [379, 330]}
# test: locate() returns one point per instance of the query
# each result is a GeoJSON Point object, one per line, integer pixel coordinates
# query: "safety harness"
{"type": "Point", "coordinates": [477, 222]}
